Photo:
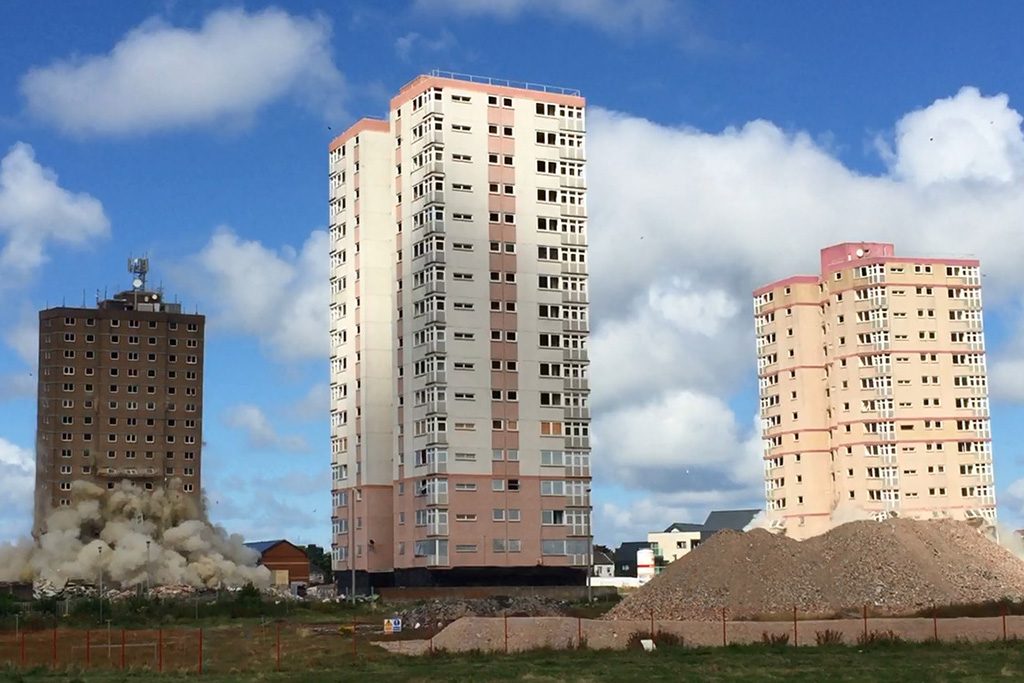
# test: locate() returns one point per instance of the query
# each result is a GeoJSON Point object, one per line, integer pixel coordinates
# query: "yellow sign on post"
{"type": "Point", "coordinates": [392, 626]}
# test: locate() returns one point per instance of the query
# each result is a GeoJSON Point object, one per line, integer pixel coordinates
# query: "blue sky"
{"type": "Point", "coordinates": [736, 138]}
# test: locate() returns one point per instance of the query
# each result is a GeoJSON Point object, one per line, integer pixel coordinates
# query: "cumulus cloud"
{"type": "Point", "coordinates": [281, 296]}
{"type": "Point", "coordinates": [606, 15]}
{"type": "Point", "coordinates": [733, 210]}
{"type": "Point", "coordinates": [413, 42]}
{"type": "Point", "coordinates": [35, 211]}
{"type": "Point", "coordinates": [259, 432]}
{"type": "Point", "coordinates": [160, 76]}
{"type": "Point", "coordinates": [967, 137]}
{"type": "Point", "coordinates": [314, 405]}
{"type": "Point", "coordinates": [23, 337]}
{"type": "Point", "coordinates": [17, 472]}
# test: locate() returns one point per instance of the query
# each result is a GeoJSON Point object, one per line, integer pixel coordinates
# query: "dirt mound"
{"type": "Point", "coordinates": [896, 566]}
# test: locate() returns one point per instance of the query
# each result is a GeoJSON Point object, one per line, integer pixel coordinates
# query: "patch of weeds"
{"type": "Point", "coordinates": [828, 637]}
{"type": "Point", "coordinates": [774, 639]}
{"type": "Point", "coordinates": [874, 638]}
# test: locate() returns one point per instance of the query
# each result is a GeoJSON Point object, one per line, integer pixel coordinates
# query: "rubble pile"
{"type": "Point", "coordinates": [894, 567]}
{"type": "Point", "coordinates": [448, 610]}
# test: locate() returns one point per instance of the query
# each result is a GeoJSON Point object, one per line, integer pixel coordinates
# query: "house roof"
{"type": "Point", "coordinates": [263, 546]}
{"type": "Point", "coordinates": [684, 526]}
{"type": "Point", "coordinates": [736, 520]}
{"type": "Point", "coordinates": [601, 557]}
{"type": "Point", "coordinates": [627, 551]}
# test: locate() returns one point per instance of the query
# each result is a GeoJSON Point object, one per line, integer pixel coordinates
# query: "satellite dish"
{"type": "Point", "coordinates": [136, 283]}
{"type": "Point", "coordinates": [860, 252]}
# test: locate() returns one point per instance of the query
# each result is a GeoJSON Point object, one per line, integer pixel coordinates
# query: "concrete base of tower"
{"type": "Point", "coordinates": [420, 577]}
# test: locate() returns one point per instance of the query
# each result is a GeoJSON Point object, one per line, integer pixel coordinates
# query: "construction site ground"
{"type": "Point", "coordinates": [327, 656]}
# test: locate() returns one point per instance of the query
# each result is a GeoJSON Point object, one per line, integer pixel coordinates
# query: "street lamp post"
{"type": "Point", "coordinates": [99, 550]}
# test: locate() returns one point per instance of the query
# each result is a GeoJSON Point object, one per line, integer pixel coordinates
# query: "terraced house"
{"type": "Point", "coordinates": [874, 391]}
{"type": "Point", "coordinates": [460, 425]}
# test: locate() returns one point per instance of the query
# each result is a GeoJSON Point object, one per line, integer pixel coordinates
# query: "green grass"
{"type": "Point", "coordinates": [890, 663]}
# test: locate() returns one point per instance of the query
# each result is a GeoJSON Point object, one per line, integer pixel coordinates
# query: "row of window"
{"type": "Point", "coordinates": [71, 321]}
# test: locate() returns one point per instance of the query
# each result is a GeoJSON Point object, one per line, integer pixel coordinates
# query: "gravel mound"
{"type": "Point", "coordinates": [894, 567]}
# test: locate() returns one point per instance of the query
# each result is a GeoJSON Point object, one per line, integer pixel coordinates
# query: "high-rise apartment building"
{"type": "Point", "coordinates": [874, 397]}
{"type": "Point", "coordinates": [459, 325]}
{"type": "Point", "coordinates": [120, 397]}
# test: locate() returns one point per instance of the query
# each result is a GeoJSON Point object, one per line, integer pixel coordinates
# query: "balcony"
{"type": "Point", "coordinates": [573, 181]}
{"type": "Point", "coordinates": [437, 346]}
{"type": "Point", "coordinates": [575, 325]}
{"type": "Point", "coordinates": [574, 238]}
{"type": "Point", "coordinates": [434, 256]}
{"type": "Point", "coordinates": [437, 529]}
{"type": "Point", "coordinates": [432, 107]}
{"type": "Point", "coordinates": [434, 197]}
{"type": "Point", "coordinates": [579, 500]}
{"type": "Point", "coordinates": [574, 296]}
{"type": "Point", "coordinates": [437, 407]}
{"type": "Point", "coordinates": [577, 384]}
{"type": "Point", "coordinates": [437, 467]}
{"type": "Point", "coordinates": [437, 560]}
{"type": "Point", "coordinates": [434, 225]}
{"type": "Point", "coordinates": [578, 529]}
{"type": "Point", "coordinates": [436, 317]}
{"type": "Point", "coordinates": [434, 137]}
{"type": "Point", "coordinates": [437, 377]}
{"type": "Point", "coordinates": [436, 437]}
{"type": "Point", "coordinates": [574, 267]}
{"type": "Point", "coordinates": [573, 153]}
{"type": "Point", "coordinates": [574, 210]}
{"type": "Point", "coordinates": [581, 355]}
{"type": "Point", "coordinates": [435, 287]}
{"type": "Point", "coordinates": [579, 560]}
{"type": "Point", "coordinates": [577, 471]}
{"type": "Point", "coordinates": [576, 412]}
{"type": "Point", "coordinates": [433, 167]}
{"type": "Point", "coordinates": [437, 498]}
{"type": "Point", "coordinates": [570, 124]}
{"type": "Point", "coordinates": [577, 442]}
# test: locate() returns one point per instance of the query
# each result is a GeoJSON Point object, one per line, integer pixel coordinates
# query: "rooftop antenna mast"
{"type": "Point", "coordinates": [139, 267]}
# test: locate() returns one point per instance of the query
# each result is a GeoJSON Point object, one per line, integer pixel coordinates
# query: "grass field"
{"type": "Point", "coordinates": [890, 663]}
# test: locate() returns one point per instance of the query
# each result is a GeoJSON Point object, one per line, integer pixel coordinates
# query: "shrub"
{"type": "Point", "coordinates": [828, 637]}
{"type": "Point", "coordinates": [774, 639]}
{"type": "Point", "coordinates": [887, 637]}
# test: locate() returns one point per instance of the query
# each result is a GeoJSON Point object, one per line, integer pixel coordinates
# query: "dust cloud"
{"type": "Point", "coordinates": [131, 537]}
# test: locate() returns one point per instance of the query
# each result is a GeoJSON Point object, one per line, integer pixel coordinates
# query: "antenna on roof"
{"type": "Point", "coordinates": [139, 267]}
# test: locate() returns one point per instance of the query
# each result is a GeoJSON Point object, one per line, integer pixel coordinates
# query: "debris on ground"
{"type": "Point", "coordinates": [896, 566]}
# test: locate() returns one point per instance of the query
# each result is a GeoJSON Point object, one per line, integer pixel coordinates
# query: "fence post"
{"type": "Point", "coordinates": [88, 649]}
{"type": "Point", "coordinates": [724, 640]}
{"type": "Point", "coordinates": [795, 641]}
{"type": "Point", "coordinates": [53, 648]}
{"type": "Point", "coordinates": [22, 652]}
{"type": "Point", "coordinates": [1004, 623]}
{"type": "Point", "coordinates": [200, 650]}
{"type": "Point", "coordinates": [279, 646]}
{"type": "Point", "coordinates": [579, 632]}
{"type": "Point", "coordinates": [160, 650]}
{"type": "Point", "coordinates": [865, 623]}
{"type": "Point", "coordinates": [935, 624]}
{"type": "Point", "coordinates": [123, 651]}
{"type": "Point", "coordinates": [506, 632]}
{"type": "Point", "coordinates": [355, 646]}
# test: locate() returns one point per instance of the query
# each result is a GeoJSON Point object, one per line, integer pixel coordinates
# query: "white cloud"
{"type": "Point", "coordinates": [160, 76]}
{"type": "Point", "coordinates": [967, 137]}
{"type": "Point", "coordinates": [15, 386]}
{"type": "Point", "coordinates": [23, 337]}
{"type": "Point", "coordinates": [259, 432]}
{"type": "Point", "coordinates": [409, 44]}
{"type": "Point", "coordinates": [606, 15]}
{"type": "Point", "coordinates": [35, 211]}
{"type": "Point", "coordinates": [314, 405]}
{"type": "Point", "coordinates": [17, 472]}
{"type": "Point", "coordinates": [280, 297]}
{"type": "Point", "coordinates": [734, 210]}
